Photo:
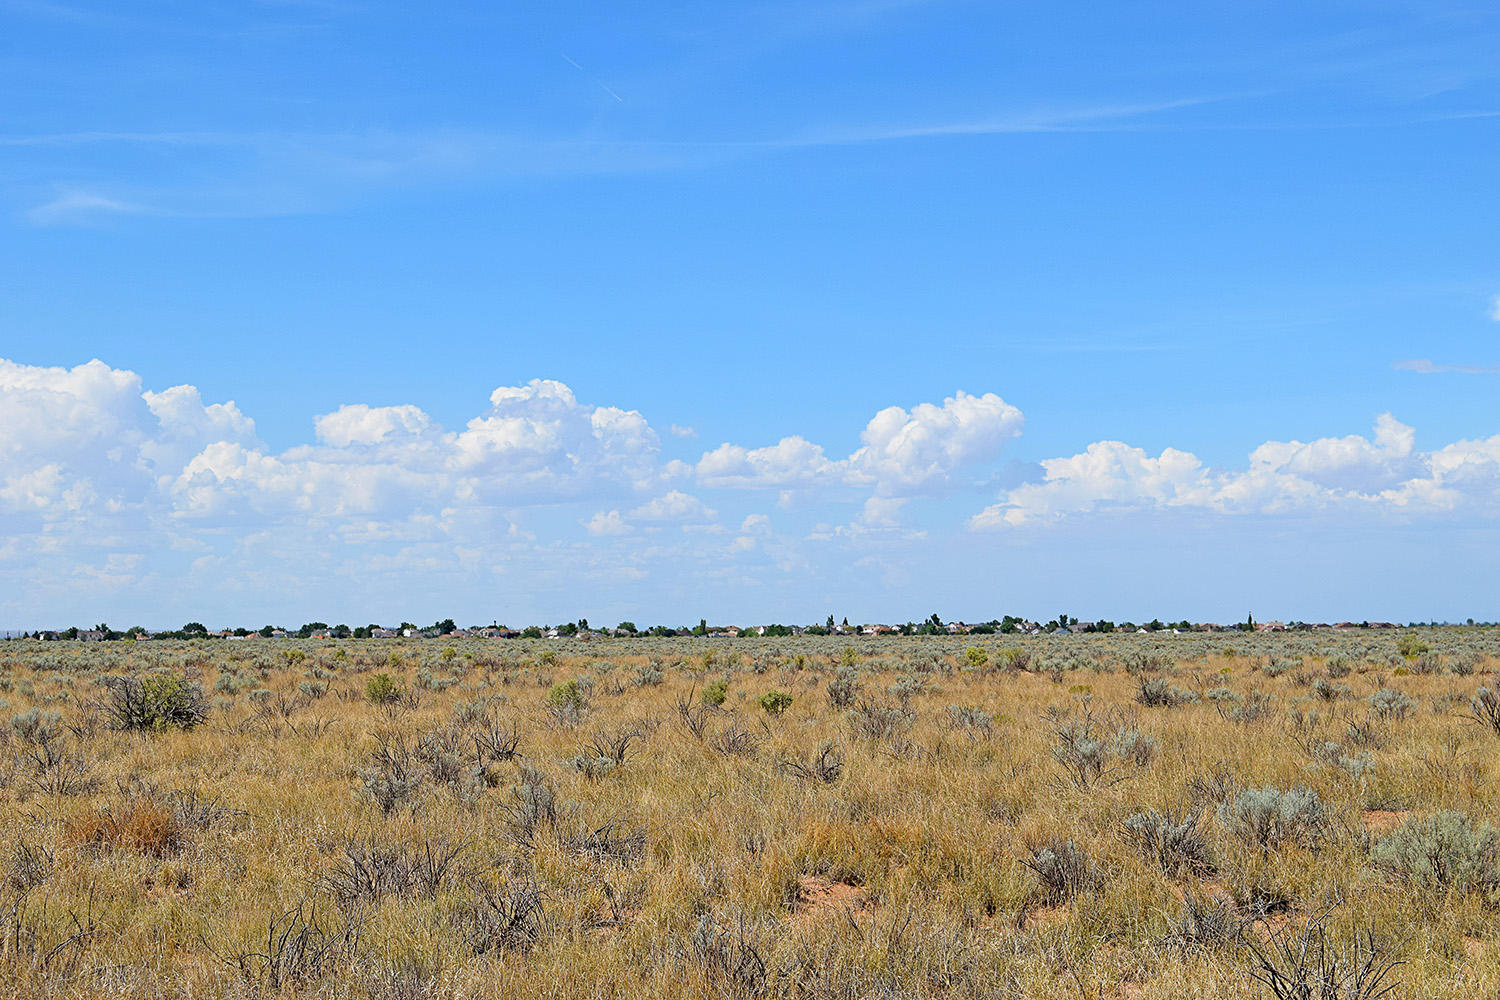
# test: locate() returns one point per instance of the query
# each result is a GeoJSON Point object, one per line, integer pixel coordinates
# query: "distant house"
{"type": "Point", "coordinates": [383, 633]}
{"type": "Point", "coordinates": [92, 635]}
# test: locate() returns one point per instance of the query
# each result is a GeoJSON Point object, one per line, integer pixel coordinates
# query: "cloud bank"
{"type": "Point", "coordinates": [111, 488]}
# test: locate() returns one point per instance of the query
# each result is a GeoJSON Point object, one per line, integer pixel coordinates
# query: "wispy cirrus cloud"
{"type": "Point", "coordinates": [247, 174]}
{"type": "Point", "coordinates": [81, 208]}
{"type": "Point", "coordinates": [1424, 366]}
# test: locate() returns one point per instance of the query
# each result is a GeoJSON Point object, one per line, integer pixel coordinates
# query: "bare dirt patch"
{"type": "Point", "coordinates": [1381, 820]}
{"type": "Point", "coordinates": [818, 898]}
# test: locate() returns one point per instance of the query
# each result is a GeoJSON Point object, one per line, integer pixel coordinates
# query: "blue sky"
{"type": "Point", "coordinates": [1069, 243]}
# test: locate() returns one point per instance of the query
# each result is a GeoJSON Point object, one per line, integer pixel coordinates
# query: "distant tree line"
{"type": "Point", "coordinates": [932, 625]}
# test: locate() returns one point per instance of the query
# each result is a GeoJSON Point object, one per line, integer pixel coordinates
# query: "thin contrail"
{"type": "Point", "coordinates": [574, 63]}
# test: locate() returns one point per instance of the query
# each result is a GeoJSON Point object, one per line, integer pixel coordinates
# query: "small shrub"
{"type": "Point", "coordinates": [565, 694]}
{"type": "Point", "coordinates": [1484, 708]}
{"type": "Point", "coordinates": [1309, 965]}
{"type": "Point", "coordinates": [568, 700]}
{"type": "Point", "coordinates": [370, 870]}
{"type": "Point", "coordinates": [160, 701]}
{"type": "Point", "coordinates": [735, 740]}
{"type": "Point", "coordinates": [1177, 844]}
{"type": "Point", "coordinates": [1157, 693]}
{"type": "Point", "coordinates": [35, 726]}
{"type": "Point", "coordinates": [844, 687]}
{"type": "Point", "coordinates": [1464, 663]}
{"type": "Point", "coordinates": [1083, 754]}
{"type": "Point", "coordinates": [775, 702]}
{"type": "Point", "coordinates": [1442, 851]}
{"type": "Point", "coordinates": [1327, 691]}
{"type": "Point", "coordinates": [1015, 658]}
{"type": "Point", "coordinates": [510, 918]}
{"type": "Point", "coordinates": [1276, 665]}
{"type": "Point", "coordinates": [825, 767]}
{"type": "Point", "coordinates": [1064, 870]}
{"type": "Point", "coordinates": [1389, 703]}
{"type": "Point", "coordinates": [972, 719]}
{"type": "Point", "coordinates": [1271, 818]}
{"type": "Point", "coordinates": [395, 774]}
{"type": "Point", "coordinates": [140, 825]}
{"type": "Point", "coordinates": [1410, 646]}
{"type": "Point", "coordinates": [879, 721]}
{"type": "Point", "coordinates": [976, 657]}
{"type": "Point", "coordinates": [30, 866]}
{"type": "Point", "coordinates": [533, 807]}
{"type": "Point", "coordinates": [730, 960]}
{"type": "Point", "coordinates": [715, 692]}
{"type": "Point", "coordinates": [908, 687]}
{"type": "Point", "coordinates": [1134, 747]}
{"type": "Point", "coordinates": [1205, 923]}
{"type": "Point", "coordinates": [383, 689]}
{"type": "Point", "coordinates": [1253, 707]}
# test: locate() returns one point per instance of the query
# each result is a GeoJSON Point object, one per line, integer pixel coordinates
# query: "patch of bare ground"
{"type": "Point", "coordinates": [1381, 820]}
{"type": "Point", "coordinates": [819, 898]}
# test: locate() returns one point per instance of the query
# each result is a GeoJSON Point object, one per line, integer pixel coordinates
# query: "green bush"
{"type": "Point", "coordinates": [976, 657]}
{"type": "Point", "coordinates": [565, 694]}
{"type": "Point", "coordinates": [383, 689]}
{"type": "Point", "coordinates": [775, 702]}
{"type": "Point", "coordinates": [1442, 851]}
{"type": "Point", "coordinates": [715, 692]}
{"type": "Point", "coordinates": [1410, 646]}
{"type": "Point", "coordinates": [160, 701]}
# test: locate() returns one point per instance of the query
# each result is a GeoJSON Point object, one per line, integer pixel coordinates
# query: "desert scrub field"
{"type": "Point", "coordinates": [1088, 816]}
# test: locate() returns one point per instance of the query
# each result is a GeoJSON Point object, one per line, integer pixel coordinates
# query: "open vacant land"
{"type": "Point", "coordinates": [1085, 816]}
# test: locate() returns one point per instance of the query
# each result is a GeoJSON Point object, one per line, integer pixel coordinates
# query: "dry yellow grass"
{"type": "Point", "coordinates": [493, 833]}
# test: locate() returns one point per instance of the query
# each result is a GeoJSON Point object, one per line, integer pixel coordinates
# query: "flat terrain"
{"type": "Point", "coordinates": [1082, 817]}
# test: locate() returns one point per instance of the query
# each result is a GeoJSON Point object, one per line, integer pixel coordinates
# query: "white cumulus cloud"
{"type": "Point", "coordinates": [1383, 473]}
{"type": "Point", "coordinates": [360, 424]}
